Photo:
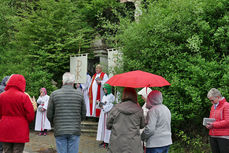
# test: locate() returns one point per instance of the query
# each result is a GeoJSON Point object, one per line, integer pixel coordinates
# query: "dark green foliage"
{"type": "Point", "coordinates": [38, 79]}
{"type": "Point", "coordinates": [5, 13]}
{"type": "Point", "coordinates": [187, 43]}
{"type": "Point", "coordinates": [103, 15]}
{"type": "Point", "coordinates": [184, 41]}
{"type": "Point", "coordinates": [49, 32]}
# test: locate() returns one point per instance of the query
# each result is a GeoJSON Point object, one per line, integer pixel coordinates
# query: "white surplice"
{"type": "Point", "coordinates": [94, 91]}
{"type": "Point", "coordinates": [103, 134]}
{"type": "Point", "coordinates": [42, 121]}
{"type": "Point", "coordinates": [85, 88]}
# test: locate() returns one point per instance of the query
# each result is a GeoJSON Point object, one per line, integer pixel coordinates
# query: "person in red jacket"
{"type": "Point", "coordinates": [219, 129]}
{"type": "Point", "coordinates": [16, 112]}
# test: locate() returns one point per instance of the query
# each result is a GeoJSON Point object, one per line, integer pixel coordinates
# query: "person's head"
{"type": "Point", "coordinates": [16, 81]}
{"type": "Point", "coordinates": [43, 91]}
{"type": "Point", "coordinates": [154, 98]}
{"type": "Point", "coordinates": [68, 79]}
{"type": "Point", "coordinates": [144, 93]}
{"type": "Point", "coordinates": [107, 88]}
{"type": "Point", "coordinates": [214, 95]}
{"type": "Point", "coordinates": [98, 68]}
{"type": "Point", "coordinates": [129, 94]}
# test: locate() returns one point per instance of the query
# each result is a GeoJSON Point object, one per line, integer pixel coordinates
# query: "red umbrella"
{"type": "Point", "coordinates": [137, 79]}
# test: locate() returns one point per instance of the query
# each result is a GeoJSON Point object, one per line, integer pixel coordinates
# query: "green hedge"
{"type": "Point", "coordinates": [186, 42]}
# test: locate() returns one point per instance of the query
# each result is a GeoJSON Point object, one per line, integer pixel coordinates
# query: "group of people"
{"type": "Point", "coordinates": [119, 126]}
{"type": "Point", "coordinates": [65, 108]}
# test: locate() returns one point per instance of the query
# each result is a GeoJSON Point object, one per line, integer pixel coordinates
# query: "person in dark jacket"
{"type": "Point", "coordinates": [66, 109]}
{"type": "Point", "coordinates": [16, 112]}
{"type": "Point", "coordinates": [3, 83]}
{"type": "Point", "coordinates": [125, 121]}
{"type": "Point", "coordinates": [2, 89]}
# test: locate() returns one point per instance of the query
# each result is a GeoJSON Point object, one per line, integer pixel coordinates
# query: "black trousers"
{"type": "Point", "coordinates": [1, 149]}
{"type": "Point", "coordinates": [219, 145]}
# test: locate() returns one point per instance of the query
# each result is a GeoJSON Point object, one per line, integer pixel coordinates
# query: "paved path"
{"type": "Point", "coordinates": [41, 144]}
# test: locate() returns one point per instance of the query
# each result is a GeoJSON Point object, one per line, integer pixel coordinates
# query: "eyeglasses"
{"type": "Point", "coordinates": [213, 99]}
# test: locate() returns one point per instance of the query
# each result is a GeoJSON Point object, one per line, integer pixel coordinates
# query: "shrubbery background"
{"type": "Point", "coordinates": [184, 41]}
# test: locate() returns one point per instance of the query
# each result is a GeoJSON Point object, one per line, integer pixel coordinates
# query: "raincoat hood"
{"type": "Point", "coordinates": [154, 98]}
{"type": "Point", "coordinates": [107, 87]}
{"type": "Point", "coordinates": [44, 90]}
{"type": "Point", "coordinates": [128, 107]}
{"type": "Point", "coordinates": [16, 81]}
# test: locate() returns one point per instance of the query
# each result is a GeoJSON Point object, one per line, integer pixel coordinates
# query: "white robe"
{"type": "Point", "coordinates": [42, 121]}
{"type": "Point", "coordinates": [94, 91]}
{"type": "Point", "coordinates": [103, 134]}
{"type": "Point", "coordinates": [85, 88]}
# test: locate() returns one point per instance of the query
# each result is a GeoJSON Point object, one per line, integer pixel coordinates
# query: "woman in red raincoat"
{"type": "Point", "coordinates": [219, 129]}
{"type": "Point", "coordinates": [16, 112]}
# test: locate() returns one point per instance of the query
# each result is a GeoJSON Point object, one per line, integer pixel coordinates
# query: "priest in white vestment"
{"type": "Point", "coordinates": [103, 134]}
{"type": "Point", "coordinates": [42, 123]}
{"type": "Point", "coordinates": [96, 90]}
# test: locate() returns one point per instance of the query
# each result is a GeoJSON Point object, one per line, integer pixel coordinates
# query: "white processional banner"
{"type": "Point", "coordinates": [114, 61]}
{"type": "Point", "coordinates": [78, 67]}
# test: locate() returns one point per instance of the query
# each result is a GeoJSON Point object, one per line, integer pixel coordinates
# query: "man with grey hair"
{"type": "Point", "coordinates": [219, 129]}
{"type": "Point", "coordinates": [66, 110]}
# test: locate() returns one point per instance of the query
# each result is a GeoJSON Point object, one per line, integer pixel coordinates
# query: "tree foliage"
{"type": "Point", "coordinates": [187, 43]}
{"type": "Point", "coordinates": [184, 41]}
{"type": "Point", "coordinates": [49, 32]}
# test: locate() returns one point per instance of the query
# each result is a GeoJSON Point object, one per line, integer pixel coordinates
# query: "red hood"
{"type": "Point", "coordinates": [18, 81]}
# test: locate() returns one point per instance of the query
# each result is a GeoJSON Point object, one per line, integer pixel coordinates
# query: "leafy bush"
{"type": "Point", "coordinates": [187, 43]}
{"type": "Point", "coordinates": [49, 32]}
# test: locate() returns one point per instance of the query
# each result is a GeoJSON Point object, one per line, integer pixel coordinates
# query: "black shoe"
{"type": "Point", "coordinates": [101, 145]}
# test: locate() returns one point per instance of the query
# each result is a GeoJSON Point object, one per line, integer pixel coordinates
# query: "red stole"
{"type": "Point", "coordinates": [98, 93]}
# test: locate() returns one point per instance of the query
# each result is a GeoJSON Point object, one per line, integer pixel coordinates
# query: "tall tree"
{"type": "Point", "coordinates": [49, 32]}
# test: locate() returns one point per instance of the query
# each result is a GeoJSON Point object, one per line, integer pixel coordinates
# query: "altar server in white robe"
{"type": "Point", "coordinates": [103, 134]}
{"type": "Point", "coordinates": [85, 88]}
{"type": "Point", "coordinates": [96, 90]}
{"type": "Point", "coordinates": [42, 123]}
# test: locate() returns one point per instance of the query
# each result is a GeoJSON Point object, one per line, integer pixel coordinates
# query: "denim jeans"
{"type": "Point", "coordinates": [67, 143]}
{"type": "Point", "coordinates": [164, 149]}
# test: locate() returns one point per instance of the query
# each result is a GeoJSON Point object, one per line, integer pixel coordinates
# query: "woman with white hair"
{"type": "Point", "coordinates": [157, 132]}
{"type": "Point", "coordinates": [218, 130]}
